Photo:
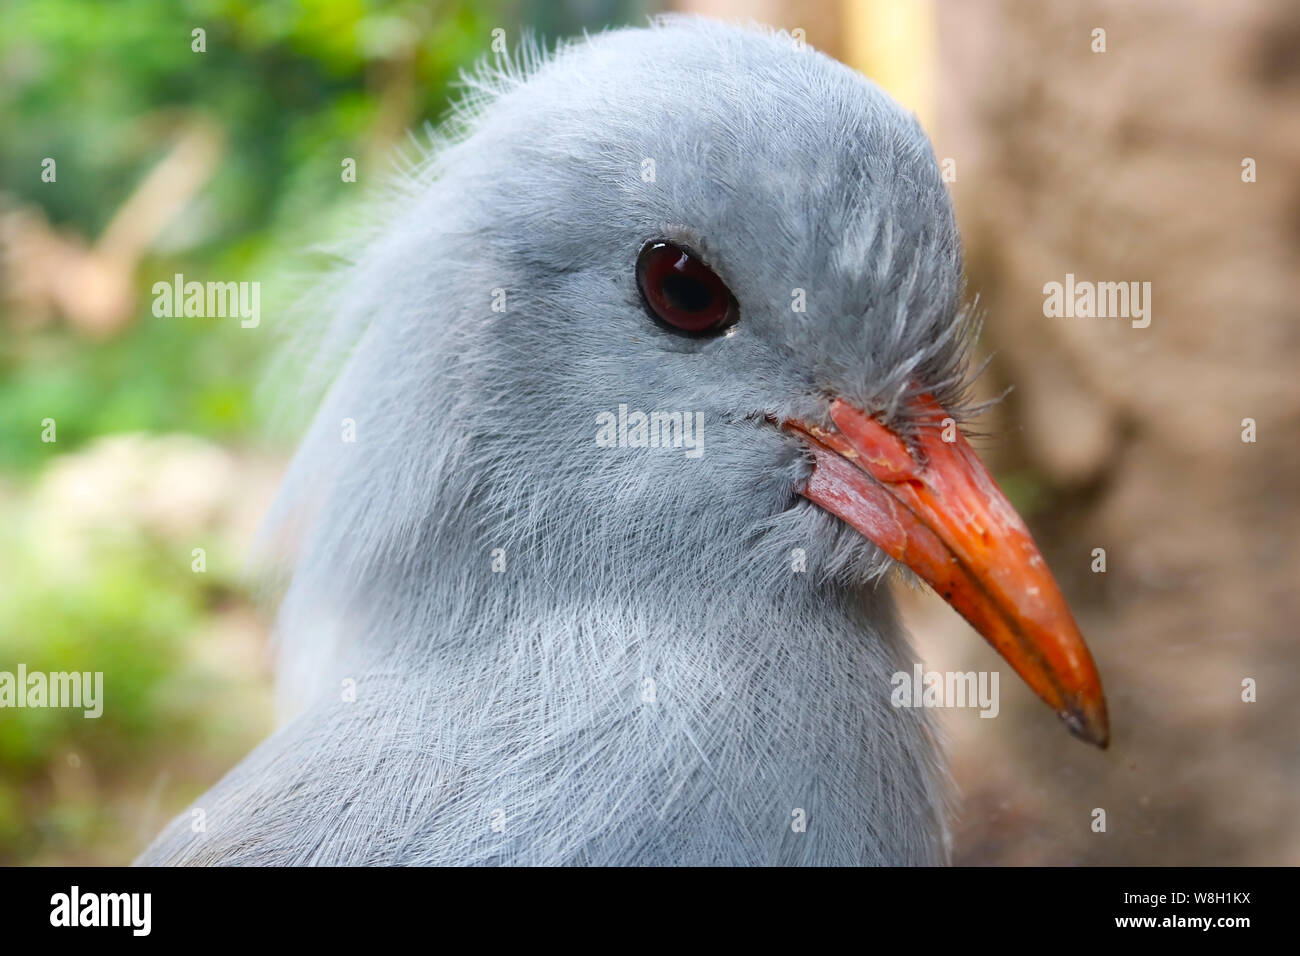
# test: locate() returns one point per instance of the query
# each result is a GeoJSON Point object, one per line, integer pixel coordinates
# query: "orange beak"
{"type": "Point", "coordinates": [940, 513]}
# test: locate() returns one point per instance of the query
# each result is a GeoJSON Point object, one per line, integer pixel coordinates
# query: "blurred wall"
{"type": "Point", "coordinates": [1127, 165]}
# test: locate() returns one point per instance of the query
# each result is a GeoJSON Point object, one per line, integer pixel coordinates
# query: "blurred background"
{"type": "Point", "coordinates": [1165, 149]}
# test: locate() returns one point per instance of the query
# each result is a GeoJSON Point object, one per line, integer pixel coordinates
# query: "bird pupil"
{"type": "Point", "coordinates": [685, 293]}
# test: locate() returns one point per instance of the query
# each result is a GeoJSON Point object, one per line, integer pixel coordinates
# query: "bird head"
{"type": "Point", "coordinates": [668, 308]}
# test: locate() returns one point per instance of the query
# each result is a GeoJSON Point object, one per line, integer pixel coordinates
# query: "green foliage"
{"type": "Point", "coordinates": [119, 602]}
{"type": "Point", "coordinates": [161, 374]}
{"type": "Point", "coordinates": [104, 89]}
{"type": "Point", "coordinates": [96, 85]}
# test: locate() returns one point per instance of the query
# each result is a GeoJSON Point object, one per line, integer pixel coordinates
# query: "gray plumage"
{"type": "Point", "coordinates": [501, 716]}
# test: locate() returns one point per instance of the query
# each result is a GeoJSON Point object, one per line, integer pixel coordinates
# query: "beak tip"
{"type": "Point", "coordinates": [1088, 723]}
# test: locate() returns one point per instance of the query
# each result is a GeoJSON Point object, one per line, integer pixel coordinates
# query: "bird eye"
{"type": "Point", "coordinates": [682, 292]}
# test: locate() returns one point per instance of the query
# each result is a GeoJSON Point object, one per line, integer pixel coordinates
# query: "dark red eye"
{"type": "Point", "coordinates": [682, 291]}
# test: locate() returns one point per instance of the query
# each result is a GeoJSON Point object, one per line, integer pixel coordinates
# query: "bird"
{"type": "Point", "coordinates": [644, 377]}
